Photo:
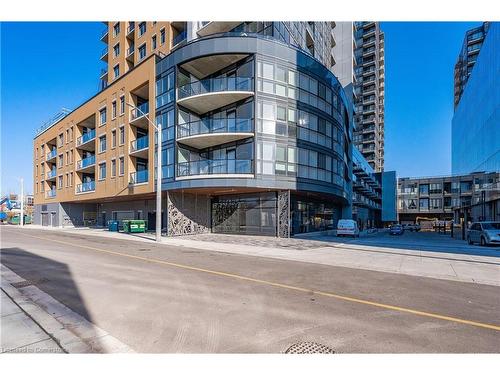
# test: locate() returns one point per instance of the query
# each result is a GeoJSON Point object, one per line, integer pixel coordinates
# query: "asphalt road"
{"type": "Point", "coordinates": [172, 299]}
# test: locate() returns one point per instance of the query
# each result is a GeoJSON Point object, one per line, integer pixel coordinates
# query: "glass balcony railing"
{"type": "Point", "coordinates": [104, 32]}
{"type": "Point", "coordinates": [51, 174]}
{"type": "Point", "coordinates": [52, 154]}
{"type": "Point", "coordinates": [139, 177]}
{"type": "Point", "coordinates": [216, 85]}
{"type": "Point", "coordinates": [104, 52]}
{"type": "Point", "coordinates": [85, 187]}
{"type": "Point", "coordinates": [211, 167]}
{"type": "Point", "coordinates": [50, 193]}
{"type": "Point", "coordinates": [131, 27]}
{"type": "Point", "coordinates": [207, 126]}
{"type": "Point", "coordinates": [179, 38]}
{"type": "Point", "coordinates": [87, 162]}
{"type": "Point", "coordinates": [140, 143]}
{"type": "Point", "coordinates": [140, 111]}
{"type": "Point", "coordinates": [86, 137]}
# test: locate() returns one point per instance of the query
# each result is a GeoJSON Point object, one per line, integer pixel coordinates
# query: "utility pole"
{"type": "Point", "coordinates": [158, 171]}
{"type": "Point", "coordinates": [21, 219]}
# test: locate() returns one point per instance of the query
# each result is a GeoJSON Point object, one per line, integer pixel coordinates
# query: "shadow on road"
{"type": "Point", "coordinates": [52, 277]}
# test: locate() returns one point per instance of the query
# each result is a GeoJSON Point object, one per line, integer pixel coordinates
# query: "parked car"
{"type": "Point", "coordinates": [411, 227]}
{"type": "Point", "coordinates": [484, 233]}
{"type": "Point", "coordinates": [396, 229]}
{"type": "Point", "coordinates": [347, 227]}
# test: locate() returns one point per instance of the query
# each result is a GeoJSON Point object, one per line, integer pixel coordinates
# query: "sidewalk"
{"type": "Point", "coordinates": [413, 260]}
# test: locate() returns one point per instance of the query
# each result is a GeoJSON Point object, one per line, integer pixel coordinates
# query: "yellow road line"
{"type": "Point", "coordinates": [284, 286]}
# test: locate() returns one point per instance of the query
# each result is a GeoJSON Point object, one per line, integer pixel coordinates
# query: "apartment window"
{"type": "Point", "coordinates": [61, 161]}
{"type": "Point", "coordinates": [102, 116]}
{"type": "Point", "coordinates": [142, 28]}
{"type": "Point", "coordinates": [67, 179]}
{"type": "Point", "coordinates": [67, 135]}
{"type": "Point", "coordinates": [122, 135]}
{"type": "Point", "coordinates": [116, 29]}
{"type": "Point", "coordinates": [153, 43]}
{"type": "Point", "coordinates": [122, 105]}
{"type": "Point", "coordinates": [162, 36]}
{"type": "Point", "coordinates": [70, 134]}
{"type": "Point", "coordinates": [67, 157]}
{"type": "Point", "coordinates": [435, 188]}
{"type": "Point", "coordinates": [60, 142]}
{"type": "Point", "coordinates": [113, 168]}
{"type": "Point", "coordinates": [102, 171]}
{"type": "Point", "coordinates": [102, 143]}
{"type": "Point", "coordinates": [142, 51]}
{"type": "Point", "coordinates": [36, 171]}
{"type": "Point", "coordinates": [116, 70]}
{"type": "Point", "coordinates": [113, 139]}
{"type": "Point", "coordinates": [36, 152]}
{"type": "Point", "coordinates": [435, 203]}
{"type": "Point", "coordinates": [424, 204]}
{"type": "Point", "coordinates": [60, 182]}
{"type": "Point", "coordinates": [424, 189]}
{"type": "Point", "coordinates": [121, 166]}
{"type": "Point", "coordinates": [70, 156]}
{"type": "Point", "coordinates": [36, 189]}
{"type": "Point", "coordinates": [70, 178]}
{"type": "Point", "coordinates": [113, 109]}
{"type": "Point", "coordinates": [116, 49]}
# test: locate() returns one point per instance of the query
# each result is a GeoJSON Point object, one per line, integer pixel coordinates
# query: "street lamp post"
{"type": "Point", "coordinates": [158, 172]}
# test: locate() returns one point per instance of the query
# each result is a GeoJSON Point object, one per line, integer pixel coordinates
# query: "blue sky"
{"type": "Point", "coordinates": [61, 69]}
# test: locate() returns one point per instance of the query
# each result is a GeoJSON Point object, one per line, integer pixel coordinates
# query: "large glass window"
{"type": "Point", "coordinates": [165, 90]}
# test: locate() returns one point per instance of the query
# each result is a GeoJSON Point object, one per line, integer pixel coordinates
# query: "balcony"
{"type": "Point", "coordinates": [138, 116]}
{"type": "Point", "coordinates": [86, 187]}
{"type": "Point", "coordinates": [139, 177]}
{"type": "Point", "coordinates": [104, 74]}
{"type": "Point", "coordinates": [182, 36]}
{"type": "Point", "coordinates": [130, 53]}
{"type": "Point", "coordinates": [209, 94]}
{"type": "Point", "coordinates": [131, 30]}
{"type": "Point", "coordinates": [215, 27]}
{"type": "Point", "coordinates": [215, 168]}
{"type": "Point", "coordinates": [51, 175]}
{"type": "Point", "coordinates": [86, 164]}
{"type": "Point", "coordinates": [50, 193]}
{"type": "Point", "coordinates": [85, 141]}
{"type": "Point", "coordinates": [105, 35]}
{"type": "Point", "coordinates": [213, 132]}
{"type": "Point", "coordinates": [51, 155]}
{"type": "Point", "coordinates": [104, 54]}
{"type": "Point", "coordinates": [139, 147]}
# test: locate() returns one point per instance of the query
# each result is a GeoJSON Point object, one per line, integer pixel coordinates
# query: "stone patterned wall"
{"type": "Point", "coordinates": [187, 214]}
{"type": "Point", "coordinates": [284, 214]}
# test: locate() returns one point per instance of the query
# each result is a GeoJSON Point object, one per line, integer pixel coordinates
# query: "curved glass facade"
{"type": "Point", "coordinates": [259, 130]}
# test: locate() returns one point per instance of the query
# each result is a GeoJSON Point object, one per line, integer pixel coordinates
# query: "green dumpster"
{"type": "Point", "coordinates": [137, 226]}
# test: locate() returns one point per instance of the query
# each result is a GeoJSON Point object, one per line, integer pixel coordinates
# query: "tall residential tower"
{"type": "Point", "coordinates": [360, 67]}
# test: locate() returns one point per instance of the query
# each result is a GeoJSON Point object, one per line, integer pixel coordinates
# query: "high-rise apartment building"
{"type": "Point", "coordinates": [360, 66]}
{"type": "Point", "coordinates": [475, 134]}
{"type": "Point", "coordinates": [256, 132]}
{"type": "Point", "coordinates": [469, 52]}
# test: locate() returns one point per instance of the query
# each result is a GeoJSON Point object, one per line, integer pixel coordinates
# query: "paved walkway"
{"type": "Point", "coordinates": [417, 254]}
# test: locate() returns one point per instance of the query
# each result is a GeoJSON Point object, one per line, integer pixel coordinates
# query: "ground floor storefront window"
{"type": "Point", "coordinates": [312, 216]}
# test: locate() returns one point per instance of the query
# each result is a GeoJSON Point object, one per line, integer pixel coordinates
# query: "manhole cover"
{"type": "Point", "coordinates": [22, 284]}
{"type": "Point", "coordinates": [309, 348]}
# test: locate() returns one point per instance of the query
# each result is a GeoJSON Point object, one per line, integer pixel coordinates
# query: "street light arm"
{"type": "Point", "coordinates": [145, 115]}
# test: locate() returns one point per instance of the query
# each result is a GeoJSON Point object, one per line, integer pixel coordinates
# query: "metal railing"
{"type": "Point", "coordinates": [207, 126]}
{"type": "Point", "coordinates": [216, 85]}
{"type": "Point", "coordinates": [87, 162]}
{"type": "Point", "coordinates": [51, 174]}
{"type": "Point", "coordinates": [210, 167]}
{"type": "Point", "coordinates": [85, 187]}
{"type": "Point", "coordinates": [139, 177]}
{"type": "Point", "coordinates": [179, 38]}
{"type": "Point", "coordinates": [104, 52]}
{"type": "Point", "coordinates": [140, 111]}
{"type": "Point", "coordinates": [86, 137]}
{"type": "Point", "coordinates": [50, 193]}
{"type": "Point", "coordinates": [51, 155]}
{"type": "Point", "coordinates": [139, 143]}
{"type": "Point", "coordinates": [130, 28]}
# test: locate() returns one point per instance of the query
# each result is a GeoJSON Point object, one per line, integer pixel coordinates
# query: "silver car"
{"type": "Point", "coordinates": [484, 232]}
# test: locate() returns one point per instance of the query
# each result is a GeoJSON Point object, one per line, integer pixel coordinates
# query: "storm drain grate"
{"type": "Point", "coordinates": [309, 348]}
{"type": "Point", "coordinates": [22, 284]}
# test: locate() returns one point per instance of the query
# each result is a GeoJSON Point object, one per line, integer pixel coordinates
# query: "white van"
{"type": "Point", "coordinates": [347, 227]}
